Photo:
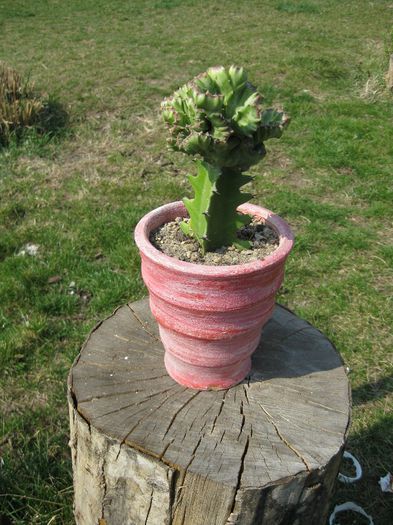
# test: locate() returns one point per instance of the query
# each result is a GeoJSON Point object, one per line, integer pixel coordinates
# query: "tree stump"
{"type": "Point", "coordinates": [146, 450]}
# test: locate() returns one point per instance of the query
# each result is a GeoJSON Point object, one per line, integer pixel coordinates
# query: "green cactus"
{"type": "Point", "coordinates": [218, 116]}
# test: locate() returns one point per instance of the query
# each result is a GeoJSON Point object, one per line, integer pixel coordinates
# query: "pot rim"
{"type": "Point", "coordinates": [170, 211]}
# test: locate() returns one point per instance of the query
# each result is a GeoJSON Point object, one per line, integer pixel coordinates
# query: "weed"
{"type": "Point", "coordinates": [22, 111]}
{"type": "Point", "coordinates": [19, 107]}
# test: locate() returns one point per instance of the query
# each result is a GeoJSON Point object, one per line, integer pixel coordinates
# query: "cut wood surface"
{"type": "Point", "coordinates": [149, 451]}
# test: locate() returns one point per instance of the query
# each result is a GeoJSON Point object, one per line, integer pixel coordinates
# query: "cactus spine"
{"type": "Point", "coordinates": [218, 116]}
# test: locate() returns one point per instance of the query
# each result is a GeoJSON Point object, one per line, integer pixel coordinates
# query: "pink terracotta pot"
{"type": "Point", "coordinates": [210, 317]}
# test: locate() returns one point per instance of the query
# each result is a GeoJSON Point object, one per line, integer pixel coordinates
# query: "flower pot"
{"type": "Point", "coordinates": [210, 317]}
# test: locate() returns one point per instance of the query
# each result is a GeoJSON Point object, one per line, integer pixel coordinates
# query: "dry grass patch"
{"type": "Point", "coordinates": [16, 400]}
{"type": "Point", "coordinates": [20, 107]}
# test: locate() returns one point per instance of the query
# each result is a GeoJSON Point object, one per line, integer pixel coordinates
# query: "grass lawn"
{"type": "Point", "coordinates": [79, 196]}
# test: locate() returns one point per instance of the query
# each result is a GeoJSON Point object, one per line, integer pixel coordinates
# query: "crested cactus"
{"type": "Point", "coordinates": [218, 117]}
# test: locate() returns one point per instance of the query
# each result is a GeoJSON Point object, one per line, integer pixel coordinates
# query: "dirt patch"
{"type": "Point", "coordinates": [277, 159]}
{"type": "Point", "coordinates": [170, 240]}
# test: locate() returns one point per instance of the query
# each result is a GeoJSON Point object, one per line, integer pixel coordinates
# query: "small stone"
{"type": "Point", "coordinates": [29, 249]}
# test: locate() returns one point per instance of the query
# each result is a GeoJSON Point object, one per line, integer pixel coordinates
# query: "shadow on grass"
{"type": "Point", "coordinates": [36, 473]}
{"type": "Point", "coordinates": [373, 391]}
{"type": "Point", "coordinates": [53, 119]}
{"type": "Point", "coordinates": [373, 448]}
{"type": "Point", "coordinates": [374, 443]}
{"type": "Point", "coordinates": [51, 122]}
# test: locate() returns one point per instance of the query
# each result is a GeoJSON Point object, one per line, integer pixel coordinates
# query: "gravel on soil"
{"type": "Point", "coordinates": [170, 240]}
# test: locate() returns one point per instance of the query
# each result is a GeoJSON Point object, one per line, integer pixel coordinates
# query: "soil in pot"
{"type": "Point", "coordinates": [170, 240]}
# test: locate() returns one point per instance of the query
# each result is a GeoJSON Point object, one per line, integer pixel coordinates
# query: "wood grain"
{"type": "Point", "coordinates": [267, 449]}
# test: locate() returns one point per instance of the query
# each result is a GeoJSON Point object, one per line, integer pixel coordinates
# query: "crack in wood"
{"type": "Point", "coordinates": [157, 408]}
{"type": "Point", "coordinates": [147, 452]}
{"type": "Point", "coordinates": [245, 393]}
{"type": "Point", "coordinates": [172, 494]}
{"type": "Point", "coordinates": [193, 455]}
{"type": "Point", "coordinates": [239, 477]}
{"type": "Point", "coordinates": [139, 403]}
{"type": "Point", "coordinates": [150, 505]}
{"type": "Point", "coordinates": [219, 410]}
{"type": "Point", "coordinates": [197, 418]}
{"type": "Point", "coordinates": [285, 441]}
{"type": "Point", "coordinates": [143, 325]}
{"type": "Point", "coordinates": [118, 452]}
{"type": "Point", "coordinates": [242, 422]}
{"type": "Point", "coordinates": [109, 394]}
{"type": "Point", "coordinates": [166, 448]}
{"type": "Point", "coordinates": [74, 435]}
{"type": "Point", "coordinates": [104, 483]}
{"type": "Point", "coordinates": [178, 412]}
{"type": "Point", "coordinates": [183, 477]}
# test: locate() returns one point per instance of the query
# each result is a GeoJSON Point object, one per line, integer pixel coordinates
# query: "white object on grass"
{"type": "Point", "coordinates": [348, 505]}
{"type": "Point", "coordinates": [29, 249]}
{"type": "Point", "coordinates": [386, 483]}
{"type": "Point", "coordinates": [356, 464]}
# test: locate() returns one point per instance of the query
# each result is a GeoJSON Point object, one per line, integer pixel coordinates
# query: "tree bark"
{"type": "Point", "coordinates": [147, 451]}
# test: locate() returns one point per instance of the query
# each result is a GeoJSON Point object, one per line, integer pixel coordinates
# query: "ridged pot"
{"type": "Point", "coordinates": [210, 318]}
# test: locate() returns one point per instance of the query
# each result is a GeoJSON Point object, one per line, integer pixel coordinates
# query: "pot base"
{"type": "Point", "coordinates": [206, 378]}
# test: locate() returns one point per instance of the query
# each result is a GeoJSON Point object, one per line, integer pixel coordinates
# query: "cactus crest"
{"type": "Point", "coordinates": [219, 116]}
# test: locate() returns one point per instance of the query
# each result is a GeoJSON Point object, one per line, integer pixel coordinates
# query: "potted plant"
{"type": "Point", "coordinates": [210, 316]}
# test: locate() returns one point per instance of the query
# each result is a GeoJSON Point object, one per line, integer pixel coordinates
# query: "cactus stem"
{"type": "Point", "coordinates": [218, 116]}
